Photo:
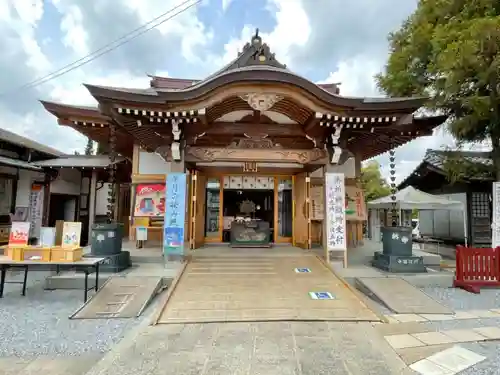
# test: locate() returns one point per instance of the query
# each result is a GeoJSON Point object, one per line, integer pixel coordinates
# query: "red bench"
{"type": "Point", "coordinates": [476, 268]}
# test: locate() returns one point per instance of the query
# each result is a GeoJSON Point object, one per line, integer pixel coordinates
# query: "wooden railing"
{"type": "Point", "coordinates": [476, 268]}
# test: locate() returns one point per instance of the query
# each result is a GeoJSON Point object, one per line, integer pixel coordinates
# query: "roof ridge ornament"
{"type": "Point", "coordinates": [257, 53]}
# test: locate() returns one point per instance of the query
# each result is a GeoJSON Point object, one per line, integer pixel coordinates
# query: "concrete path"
{"type": "Point", "coordinates": [47, 365]}
{"type": "Point", "coordinates": [402, 297]}
{"type": "Point", "coordinates": [120, 297]}
{"type": "Point", "coordinates": [260, 287]}
{"type": "Point", "coordinates": [277, 348]}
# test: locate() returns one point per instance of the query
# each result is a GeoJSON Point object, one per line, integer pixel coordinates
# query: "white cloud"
{"type": "Point", "coordinates": [24, 16]}
{"type": "Point", "coordinates": [356, 77]}
{"type": "Point", "coordinates": [30, 11]}
{"type": "Point", "coordinates": [292, 30]}
{"type": "Point", "coordinates": [185, 25]}
{"type": "Point", "coordinates": [226, 4]}
{"type": "Point", "coordinates": [75, 36]}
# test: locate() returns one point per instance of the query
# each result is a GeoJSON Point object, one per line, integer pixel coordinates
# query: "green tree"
{"type": "Point", "coordinates": [448, 50]}
{"type": "Point", "coordinates": [101, 149]}
{"type": "Point", "coordinates": [89, 147]}
{"type": "Point", "coordinates": [374, 185]}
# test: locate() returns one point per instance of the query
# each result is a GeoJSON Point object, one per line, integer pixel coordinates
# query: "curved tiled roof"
{"type": "Point", "coordinates": [256, 64]}
{"type": "Point", "coordinates": [254, 74]}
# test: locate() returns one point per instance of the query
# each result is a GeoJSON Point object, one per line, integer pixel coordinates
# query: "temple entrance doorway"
{"type": "Point", "coordinates": [248, 217]}
{"type": "Point", "coordinates": [216, 202]}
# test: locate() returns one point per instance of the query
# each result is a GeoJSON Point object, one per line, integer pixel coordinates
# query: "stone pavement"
{"type": "Point", "coordinates": [48, 365]}
{"type": "Point", "coordinates": [402, 297]}
{"type": "Point", "coordinates": [278, 348]}
{"type": "Point", "coordinates": [261, 287]}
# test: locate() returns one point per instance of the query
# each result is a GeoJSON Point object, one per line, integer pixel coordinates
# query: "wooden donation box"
{"type": "Point", "coordinates": [249, 232]}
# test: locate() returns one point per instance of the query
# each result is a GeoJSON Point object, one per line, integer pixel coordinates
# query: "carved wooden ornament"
{"type": "Point", "coordinates": [261, 102]}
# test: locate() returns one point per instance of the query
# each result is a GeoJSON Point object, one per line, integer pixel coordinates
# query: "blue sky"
{"type": "Point", "coordinates": [323, 40]}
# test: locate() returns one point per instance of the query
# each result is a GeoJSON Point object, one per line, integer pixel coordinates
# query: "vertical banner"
{"type": "Point", "coordinates": [36, 210]}
{"type": "Point", "coordinates": [175, 214]}
{"type": "Point", "coordinates": [495, 222]}
{"type": "Point", "coordinates": [335, 213]}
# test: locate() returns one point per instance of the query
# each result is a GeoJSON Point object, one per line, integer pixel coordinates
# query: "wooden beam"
{"type": "Point", "coordinates": [256, 117]}
{"type": "Point", "coordinates": [312, 121]}
{"type": "Point", "coordinates": [405, 120]}
{"type": "Point", "coordinates": [202, 115]}
{"type": "Point", "coordinates": [233, 128]}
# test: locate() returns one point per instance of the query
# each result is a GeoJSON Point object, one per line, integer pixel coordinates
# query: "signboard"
{"type": "Point", "coordinates": [495, 225]}
{"type": "Point", "coordinates": [321, 295]}
{"type": "Point", "coordinates": [355, 207]}
{"type": "Point", "coordinates": [317, 203]}
{"type": "Point", "coordinates": [47, 237]}
{"type": "Point", "coordinates": [175, 214]}
{"type": "Point", "coordinates": [35, 209]}
{"type": "Point", "coordinates": [19, 233]}
{"type": "Point", "coordinates": [149, 200]}
{"type": "Point", "coordinates": [71, 233]}
{"type": "Point", "coordinates": [302, 270]}
{"type": "Point", "coordinates": [335, 211]}
{"type": "Point", "coordinates": [141, 233]}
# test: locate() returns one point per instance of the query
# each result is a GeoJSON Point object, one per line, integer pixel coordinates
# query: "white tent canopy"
{"type": "Point", "coordinates": [412, 199]}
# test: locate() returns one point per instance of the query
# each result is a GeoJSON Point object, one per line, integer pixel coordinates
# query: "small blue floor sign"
{"type": "Point", "coordinates": [321, 295]}
{"type": "Point", "coordinates": [302, 270]}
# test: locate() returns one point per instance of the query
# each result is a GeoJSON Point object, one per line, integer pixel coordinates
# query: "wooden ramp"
{"type": "Point", "coordinates": [120, 297]}
{"type": "Point", "coordinates": [400, 296]}
{"type": "Point", "coordinates": [238, 288]}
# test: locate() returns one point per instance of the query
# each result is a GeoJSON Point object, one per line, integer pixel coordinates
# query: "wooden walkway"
{"type": "Point", "coordinates": [264, 286]}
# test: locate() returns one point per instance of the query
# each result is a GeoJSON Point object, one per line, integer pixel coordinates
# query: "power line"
{"type": "Point", "coordinates": [110, 46]}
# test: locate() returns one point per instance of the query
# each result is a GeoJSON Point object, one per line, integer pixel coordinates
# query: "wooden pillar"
{"type": "Point", "coordinates": [46, 201]}
{"type": "Point", "coordinates": [135, 170]}
{"type": "Point", "coordinates": [92, 201]}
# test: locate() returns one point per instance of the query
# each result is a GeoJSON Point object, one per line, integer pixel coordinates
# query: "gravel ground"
{"type": "Point", "coordinates": [491, 365]}
{"type": "Point", "coordinates": [38, 324]}
{"type": "Point", "coordinates": [459, 299]}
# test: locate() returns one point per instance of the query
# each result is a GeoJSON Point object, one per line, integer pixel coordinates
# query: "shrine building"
{"type": "Point", "coordinates": [255, 139]}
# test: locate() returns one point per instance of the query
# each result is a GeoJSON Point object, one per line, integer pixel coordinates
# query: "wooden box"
{"type": "Point", "coordinates": [34, 253]}
{"type": "Point", "coordinates": [62, 254]}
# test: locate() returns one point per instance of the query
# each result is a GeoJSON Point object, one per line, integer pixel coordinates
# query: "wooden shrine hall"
{"type": "Point", "coordinates": [254, 136]}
